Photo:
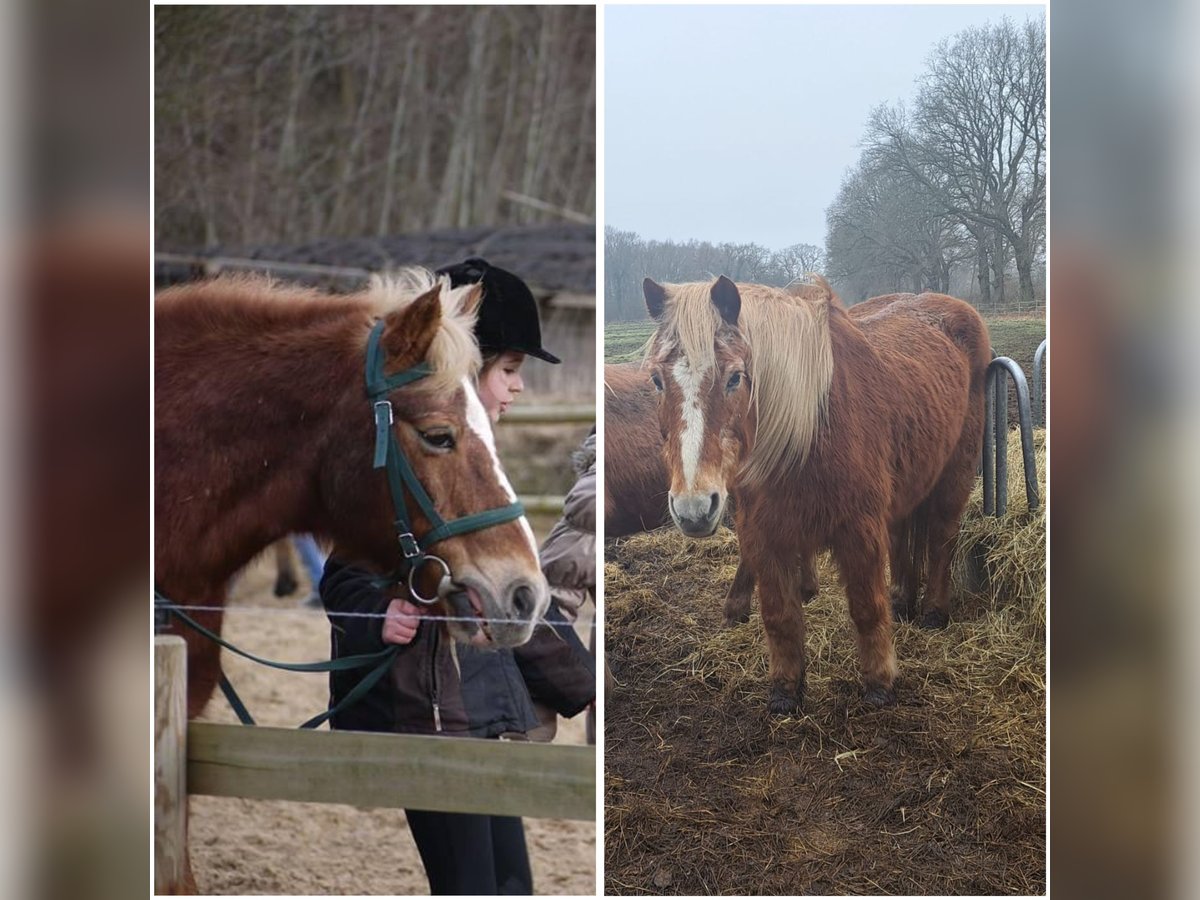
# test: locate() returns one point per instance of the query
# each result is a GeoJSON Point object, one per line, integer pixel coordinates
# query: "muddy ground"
{"type": "Point", "coordinates": [943, 793]}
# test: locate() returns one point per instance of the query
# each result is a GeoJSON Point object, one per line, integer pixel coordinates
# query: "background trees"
{"type": "Point", "coordinates": [628, 258]}
{"type": "Point", "coordinates": [283, 124]}
{"type": "Point", "coordinates": [960, 178]}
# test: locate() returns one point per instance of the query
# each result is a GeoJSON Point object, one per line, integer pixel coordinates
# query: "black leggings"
{"type": "Point", "coordinates": [472, 854]}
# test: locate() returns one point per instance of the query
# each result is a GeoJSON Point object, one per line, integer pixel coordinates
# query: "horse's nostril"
{"type": "Point", "coordinates": [713, 500]}
{"type": "Point", "coordinates": [524, 601]}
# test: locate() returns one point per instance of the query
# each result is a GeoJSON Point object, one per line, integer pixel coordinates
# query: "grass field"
{"type": "Point", "coordinates": [1015, 337]}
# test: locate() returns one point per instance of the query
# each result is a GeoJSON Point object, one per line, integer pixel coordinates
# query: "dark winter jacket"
{"type": "Point", "coordinates": [487, 694]}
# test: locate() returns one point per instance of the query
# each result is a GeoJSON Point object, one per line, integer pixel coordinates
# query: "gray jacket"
{"type": "Point", "coordinates": [568, 555]}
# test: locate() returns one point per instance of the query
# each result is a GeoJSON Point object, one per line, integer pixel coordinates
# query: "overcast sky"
{"type": "Point", "coordinates": [738, 123]}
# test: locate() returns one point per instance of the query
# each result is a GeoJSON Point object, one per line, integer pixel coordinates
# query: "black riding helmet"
{"type": "Point", "coordinates": [508, 315]}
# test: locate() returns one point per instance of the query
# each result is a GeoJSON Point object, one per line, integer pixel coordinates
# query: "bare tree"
{"type": "Point", "coordinates": [793, 262]}
{"type": "Point", "coordinates": [976, 141]}
{"type": "Point", "coordinates": [886, 232]}
{"type": "Point", "coordinates": [299, 122]}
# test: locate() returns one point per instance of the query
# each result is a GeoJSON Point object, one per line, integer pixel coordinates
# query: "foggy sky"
{"type": "Point", "coordinates": [739, 123]}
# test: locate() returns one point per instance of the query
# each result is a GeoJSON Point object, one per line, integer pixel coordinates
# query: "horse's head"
{"type": "Point", "coordinates": [743, 376]}
{"type": "Point", "coordinates": [444, 435]}
{"type": "Point", "coordinates": [700, 364]}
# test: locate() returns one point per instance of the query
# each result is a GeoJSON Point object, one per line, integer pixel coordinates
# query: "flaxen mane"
{"type": "Point", "coordinates": [454, 353]}
{"type": "Point", "coordinates": [791, 361]}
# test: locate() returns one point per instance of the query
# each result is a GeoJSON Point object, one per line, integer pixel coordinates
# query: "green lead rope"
{"type": "Point", "coordinates": [382, 660]}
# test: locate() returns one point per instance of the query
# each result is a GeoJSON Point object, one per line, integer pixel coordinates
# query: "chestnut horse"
{"type": "Point", "coordinates": [263, 427]}
{"type": "Point", "coordinates": [636, 480]}
{"type": "Point", "coordinates": [635, 476]}
{"type": "Point", "coordinates": [860, 435]}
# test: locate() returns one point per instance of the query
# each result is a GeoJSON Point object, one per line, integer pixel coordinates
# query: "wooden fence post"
{"type": "Point", "coordinates": [170, 763]}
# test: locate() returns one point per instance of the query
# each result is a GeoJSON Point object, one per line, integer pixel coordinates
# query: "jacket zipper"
{"type": "Point", "coordinates": [433, 681]}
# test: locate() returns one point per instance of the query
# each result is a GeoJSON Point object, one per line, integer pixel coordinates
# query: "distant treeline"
{"type": "Point", "coordinates": [289, 123]}
{"type": "Point", "coordinates": [629, 258]}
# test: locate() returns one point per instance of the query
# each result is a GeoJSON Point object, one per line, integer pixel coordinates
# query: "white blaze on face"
{"type": "Point", "coordinates": [691, 438]}
{"type": "Point", "coordinates": [478, 422]}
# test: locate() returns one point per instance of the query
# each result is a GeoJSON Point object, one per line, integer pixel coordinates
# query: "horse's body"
{"type": "Point", "coordinates": [635, 476]}
{"type": "Point", "coordinates": [263, 427]}
{"type": "Point", "coordinates": [855, 433]}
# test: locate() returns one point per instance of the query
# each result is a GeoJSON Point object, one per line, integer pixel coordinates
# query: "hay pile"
{"type": "Point", "coordinates": [942, 793]}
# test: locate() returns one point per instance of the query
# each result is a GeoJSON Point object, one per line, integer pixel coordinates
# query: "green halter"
{"type": "Point", "coordinates": [400, 475]}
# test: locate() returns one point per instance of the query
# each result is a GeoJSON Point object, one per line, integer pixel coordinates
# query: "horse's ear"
{"type": "Point", "coordinates": [656, 298]}
{"type": "Point", "coordinates": [726, 299]}
{"type": "Point", "coordinates": [472, 299]}
{"type": "Point", "coordinates": [409, 331]}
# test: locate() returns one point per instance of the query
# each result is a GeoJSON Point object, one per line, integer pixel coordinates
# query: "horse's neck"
{"type": "Point", "coordinates": [255, 441]}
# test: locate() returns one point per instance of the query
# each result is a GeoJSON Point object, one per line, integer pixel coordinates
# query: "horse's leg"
{"type": "Point", "coordinates": [945, 514]}
{"type": "Point", "coordinates": [904, 571]}
{"type": "Point", "coordinates": [861, 555]}
{"type": "Point", "coordinates": [285, 568]}
{"type": "Point", "coordinates": [783, 621]}
{"type": "Point", "coordinates": [737, 601]}
{"type": "Point", "coordinates": [204, 656]}
{"type": "Point", "coordinates": [809, 585]}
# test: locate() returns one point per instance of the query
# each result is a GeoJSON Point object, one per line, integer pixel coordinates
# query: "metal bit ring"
{"type": "Point", "coordinates": [412, 572]}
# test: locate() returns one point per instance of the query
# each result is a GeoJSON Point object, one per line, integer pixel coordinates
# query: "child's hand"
{"type": "Point", "coordinates": [400, 626]}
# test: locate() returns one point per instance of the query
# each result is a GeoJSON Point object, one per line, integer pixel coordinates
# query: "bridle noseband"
{"type": "Point", "coordinates": [400, 475]}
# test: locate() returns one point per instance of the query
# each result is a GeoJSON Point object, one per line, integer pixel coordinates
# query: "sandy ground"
{"type": "Point", "coordinates": [275, 847]}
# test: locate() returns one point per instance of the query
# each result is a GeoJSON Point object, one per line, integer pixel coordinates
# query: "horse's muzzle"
{"type": "Point", "coordinates": [696, 514]}
{"type": "Point", "coordinates": [506, 617]}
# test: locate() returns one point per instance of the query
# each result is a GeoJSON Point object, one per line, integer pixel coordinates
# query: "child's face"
{"type": "Point", "coordinates": [500, 382]}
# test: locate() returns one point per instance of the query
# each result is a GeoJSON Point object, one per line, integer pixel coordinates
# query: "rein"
{"type": "Point", "coordinates": [400, 475]}
{"type": "Point", "coordinates": [165, 608]}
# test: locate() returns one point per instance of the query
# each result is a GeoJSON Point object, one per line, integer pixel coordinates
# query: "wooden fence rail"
{"type": "Point", "coordinates": [558, 414]}
{"type": "Point", "coordinates": [507, 778]}
{"type": "Point", "coordinates": [374, 770]}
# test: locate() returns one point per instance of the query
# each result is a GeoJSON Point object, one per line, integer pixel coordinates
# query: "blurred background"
{"type": "Point", "coordinates": [1123, 620]}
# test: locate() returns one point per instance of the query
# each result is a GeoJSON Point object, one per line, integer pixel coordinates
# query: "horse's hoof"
{"type": "Point", "coordinates": [285, 586]}
{"type": "Point", "coordinates": [807, 596]}
{"type": "Point", "coordinates": [901, 611]}
{"type": "Point", "coordinates": [740, 617]}
{"type": "Point", "coordinates": [935, 619]}
{"type": "Point", "coordinates": [784, 702]}
{"type": "Point", "coordinates": [879, 696]}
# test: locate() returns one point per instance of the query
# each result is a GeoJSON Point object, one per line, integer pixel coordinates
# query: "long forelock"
{"type": "Point", "coordinates": [454, 354]}
{"type": "Point", "coordinates": [791, 356]}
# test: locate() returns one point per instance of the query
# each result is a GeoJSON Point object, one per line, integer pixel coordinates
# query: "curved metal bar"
{"type": "Point", "coordinates": [1001, 407]}
{"type": "Point", "coordinates": [1039, 395]}
{"type": "Point", "coordinates": [989, 432]}
{"type": "Point", "coordinates": [998, 369]}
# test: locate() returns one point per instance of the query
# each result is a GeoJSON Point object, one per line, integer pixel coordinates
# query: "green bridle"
{"type": "Point", "coordinates": [400, 475]}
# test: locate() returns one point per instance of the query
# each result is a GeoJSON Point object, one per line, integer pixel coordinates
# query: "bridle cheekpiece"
{"type": "Point", "coordinates": [400, 475]}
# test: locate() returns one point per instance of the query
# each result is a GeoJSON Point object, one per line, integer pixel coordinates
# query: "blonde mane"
{"type": "Point", "coordinates": [454, 353]}
{"type": "Point", "coordinates": [791, 359]}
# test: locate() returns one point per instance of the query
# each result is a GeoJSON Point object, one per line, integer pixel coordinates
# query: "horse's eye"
{"type": "Point", "coordinates": [439, 439]}
{"type": "Point", "coordinates": [657, 381]}
{"type": "Point", "coordinates": [734, 380]}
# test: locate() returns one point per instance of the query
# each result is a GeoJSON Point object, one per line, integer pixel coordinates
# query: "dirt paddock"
{"type": "Point", "coordinates": [943, 793]}
{"type": "Point", "coordinates": [276, 847]}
